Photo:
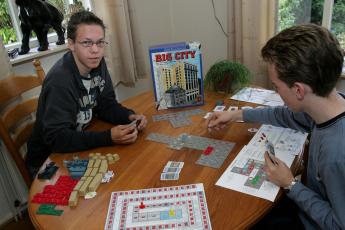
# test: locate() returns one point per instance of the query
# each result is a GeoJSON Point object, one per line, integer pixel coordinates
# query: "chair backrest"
{"type": "Point", "coordinates": [16, 121]}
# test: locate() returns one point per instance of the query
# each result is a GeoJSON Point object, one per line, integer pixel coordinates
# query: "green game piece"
{"type": "Point", "coordinates": [48, 209]}
{"type": "Point", "coordinates": [255, 180]}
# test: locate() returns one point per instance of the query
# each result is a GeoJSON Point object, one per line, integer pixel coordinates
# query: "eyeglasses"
{"type": "Point", "coordinates": [89, 43]}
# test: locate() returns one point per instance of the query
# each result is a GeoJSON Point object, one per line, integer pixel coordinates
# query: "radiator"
{"type": "Point", "coordinates": [13, 190]}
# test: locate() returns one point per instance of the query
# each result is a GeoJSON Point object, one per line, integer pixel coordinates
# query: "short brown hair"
{"type": "Point", "coordinates": [306, 53]}
{"type": "Point", "coordinates": [82, 17]}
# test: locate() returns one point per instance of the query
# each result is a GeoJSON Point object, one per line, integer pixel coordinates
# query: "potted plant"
{"type": "Point", "coordinates": [227, 76]}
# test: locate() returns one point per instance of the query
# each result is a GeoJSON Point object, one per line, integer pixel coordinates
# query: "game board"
{"type": "Point", "coordinates": [215, 159]}
{"type": "Point", "coordinates": [177, 207]}
{"type": "Point", "coordinates": [178, 119]}
{"type": "Point", "coordinates": [246, 172]}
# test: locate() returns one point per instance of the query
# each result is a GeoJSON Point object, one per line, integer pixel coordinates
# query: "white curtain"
{"type": "Point", "coordinates": [6, 67]}
{"type": "Point", "coordinates": [251, 24]}
{"type": "Point", "coordinates": [124, 55]}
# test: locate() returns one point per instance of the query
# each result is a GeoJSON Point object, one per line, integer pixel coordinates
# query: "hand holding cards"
{"type": "Point", "coordinates": [135, 122]}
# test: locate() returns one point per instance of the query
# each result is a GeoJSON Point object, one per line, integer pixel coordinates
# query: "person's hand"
{"type": "Point", "coordinates": [277, 171]}
{"type": "Point", "coordinates": [124, 134]}
{"type": "Point", "coordinates": [219, 120]}
{"type": "Point", "coordinates": [140, 118]}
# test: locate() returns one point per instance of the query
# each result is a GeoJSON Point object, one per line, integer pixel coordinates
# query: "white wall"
{"type": "Point", "coordinates": [168, 21]}
{"type": "Point", "coordinates": [46, 62]}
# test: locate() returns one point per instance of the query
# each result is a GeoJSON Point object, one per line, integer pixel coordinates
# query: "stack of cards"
{"type": "Point", "coordinates": [172, 170]}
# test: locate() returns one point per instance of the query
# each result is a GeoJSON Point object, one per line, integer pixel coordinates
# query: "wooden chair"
{"type": "Point", "coordinates": [16, 111]}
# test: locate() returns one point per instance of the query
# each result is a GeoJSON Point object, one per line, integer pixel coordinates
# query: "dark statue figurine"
{"type": "Point", "coordinates": [39, 16]}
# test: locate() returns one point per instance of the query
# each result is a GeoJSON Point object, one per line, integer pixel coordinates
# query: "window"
{"type": "Point", "coordinates": [10, 31]}
{"type": "Point", "coordinates": [329, 13]}
{"type": "Point", "coordinates": [338, 21]}
{"type": "Point", "coordinates": [7, 31]}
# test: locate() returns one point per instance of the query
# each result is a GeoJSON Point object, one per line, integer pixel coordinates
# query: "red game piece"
{"type": "Point", "coordinates": [141, 206]}
{"type": "Point", "coordinates": [208, 150]}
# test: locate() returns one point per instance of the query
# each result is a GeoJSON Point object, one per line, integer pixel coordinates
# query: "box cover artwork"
{"type": "Point", "coordinates": [177, 75]}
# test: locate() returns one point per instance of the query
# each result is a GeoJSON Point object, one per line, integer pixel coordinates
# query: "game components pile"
{"type": "Point", "coordinates": [96, 170]}
{"type": "Point", "coordinates": [172, 170]}
{"type": "Point", "coordinates": [85, 177]}
{"type": "Point", "coordinates": [57, 194]}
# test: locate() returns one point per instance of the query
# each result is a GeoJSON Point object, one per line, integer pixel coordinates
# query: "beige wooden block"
{"type": "Point", "coordinates": [116, 156]}
{"type": "Point", "coordinates": [98, 154]}
{"type": "Point", "coordinates": [91, 155]}
{"type": "Point", "coordinates": [94, 172]}
{"type": "Point", "coordinates": [95, 182]}
{"type": "Point", "coordinates": [97, 163]}
{"type": "Point", "coordinates": [84, 188]}
{"type": "Point", "coordinates": [109, 155]}
{"type": "Point", "coordinates": [73, 199]}
{"type": "Point", "coordinates": [102, 157]}
{"type": "Point", "coordinates": [78, 185]}
{"type": "Point", "coordinates": [88, 172]}
{"type": "Point", "coordinates": [104, 167]}
{"type": "Point", "coordinates": [110, 159]}
{"type": "Point", "coordinates": [83, 178]}
{"type": "Point", "coordinates": [91, 163]}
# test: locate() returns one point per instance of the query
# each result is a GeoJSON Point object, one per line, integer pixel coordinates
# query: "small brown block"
{"type": "Point", "coordinates": [88, 172]}
{"type": "Point", "coordinates": [104, 167]}
{"type": "Point", "coordinates": [116, 156]}
{"type": "Point", "coordinates": [73, 199]}
{"type": "Point", "coordinates": [91, 163]}
{"type": "Point", "coordinates": [84, 188]}
{"type": "Point", "coordinates": [94, 172]}
{"type": "Point", "coordinates": [95, 183]}
{"type": "Point", "coordinates": [97, 163]}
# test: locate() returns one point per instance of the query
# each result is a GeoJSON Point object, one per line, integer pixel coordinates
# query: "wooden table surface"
{"type": "Point", "coordinates": [141, 164]}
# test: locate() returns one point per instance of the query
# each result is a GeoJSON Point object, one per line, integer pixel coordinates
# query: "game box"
{"type": "Point", "coordinates": [177, 75]}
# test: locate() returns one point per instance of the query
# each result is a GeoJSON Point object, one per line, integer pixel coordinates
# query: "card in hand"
{"type": "Point", "coordinates": [134, 122]}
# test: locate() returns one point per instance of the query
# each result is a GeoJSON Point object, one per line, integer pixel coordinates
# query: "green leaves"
{"type": "Point", "coordinates": [227, 76]}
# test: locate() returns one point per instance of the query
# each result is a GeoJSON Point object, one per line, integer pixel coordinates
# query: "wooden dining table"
{"type": "Point", "coordinates": [141, 165]}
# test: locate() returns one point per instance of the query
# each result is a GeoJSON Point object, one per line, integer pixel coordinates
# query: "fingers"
{"type": "Point", "coordinates": [212, 120]}
{"type": "Point", "coordinates": [141, 120]}
{"type": "Point", "coordinates": [215, 121]}
{"type": "Point", "coordinates": [129, 138]}
{"type": "Point", "coordinates": [124, 134]}
{"type": "Point", "coordinates": [270, 160]}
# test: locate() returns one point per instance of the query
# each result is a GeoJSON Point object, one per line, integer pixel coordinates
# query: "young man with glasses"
{"type": "Point", "coordinates": [304, 65]}
{"type": "Point", "coordinates": [76, 89]}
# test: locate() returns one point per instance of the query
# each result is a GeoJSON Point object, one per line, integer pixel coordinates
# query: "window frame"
{"type": "Point", "coordinates": [327, 14]}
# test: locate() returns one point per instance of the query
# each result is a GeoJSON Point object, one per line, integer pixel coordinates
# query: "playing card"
{"type": "Point", "coordinates": [246, 107]}
{"type": "Point", "coordinates": [133, 123]}
{"type": "Point", "coordinates": [232, 108]}
{"type": "Point", "coordinates": [219, 108]}
{"type": "Point", "coordinates": [171, 170]}
{"type": "Point", "coordinates": [174, 164]}
{"type": "Point", "coordinates": [169, 176]}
